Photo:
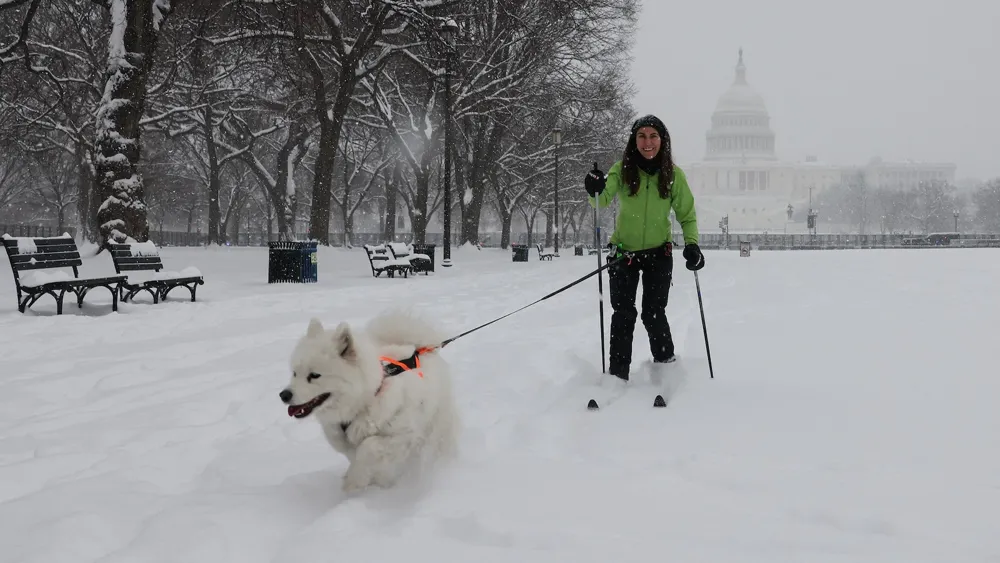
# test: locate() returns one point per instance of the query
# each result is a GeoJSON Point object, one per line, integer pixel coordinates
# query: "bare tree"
{"type": "Point", "coordinates": [366, 154]}
{"type": "Point", "coordinates": [314, 98]}
{"type": "Point", "coordinates": [53, 185]}
{"type": "Point", "coordinates": [934, 202]}
{"type": "Point", "coordinates": [987, 204]}
{"type": "Point", "coordinates": [14, 178]}
{"type": "Point", "coordinates": [408, 115]}
{"type": "Point", "coordinates": [525, 57]}
{"type": "Point", "coordinates": [135, 27]}
{"type": "Point", "coordinates": [65, 58]}
{"type": "Point", "coordinates": [338, 45]}
{"type": "Point", "coordinates": [893, 207]}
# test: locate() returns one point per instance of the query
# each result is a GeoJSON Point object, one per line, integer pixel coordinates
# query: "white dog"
{"type": "Point", "coordinates": [381, 399]}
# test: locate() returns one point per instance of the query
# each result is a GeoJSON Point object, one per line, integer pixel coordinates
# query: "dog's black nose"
{"type": "Point", "coordinates": [285, 395]}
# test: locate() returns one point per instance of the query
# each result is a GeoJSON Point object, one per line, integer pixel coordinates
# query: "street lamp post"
{"type": "Point", "coordinates": [557, 140]}
{"type": "Point", "coordinates": [955, 213]}
{"type": "Point", "coordinates": [448, 28]}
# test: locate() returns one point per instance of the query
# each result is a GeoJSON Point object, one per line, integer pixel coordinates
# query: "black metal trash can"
{"type": "Point", "coordinates": [292, 262]}
{"type": "Point", "coordinates": [520, 252]}
{"type": "Point", "coordinates": [427, 249]}
{"type": "Point", "coordinates": [578, 250]}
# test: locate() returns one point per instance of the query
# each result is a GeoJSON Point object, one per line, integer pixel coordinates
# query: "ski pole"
{"type": "Point", "coordinates": [600, 277]}
{"type": "Point", "coordinates": [600, 281]}
{"type": "Point", "coordinates": [704, 328]}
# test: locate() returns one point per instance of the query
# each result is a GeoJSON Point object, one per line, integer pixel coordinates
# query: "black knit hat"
{"type": "Point", "coordinates": [649, 121]}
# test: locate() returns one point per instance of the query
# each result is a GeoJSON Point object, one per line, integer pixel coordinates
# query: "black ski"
{"type": "Point", "coordinates": [658, 402]}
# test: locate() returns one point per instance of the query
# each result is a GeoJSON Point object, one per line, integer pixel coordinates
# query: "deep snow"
{"type": "Point", "coordinates": [852, 418]}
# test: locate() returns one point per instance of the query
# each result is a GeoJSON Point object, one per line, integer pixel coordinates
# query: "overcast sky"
{"type": "Point", "coordinates": [843, 80]}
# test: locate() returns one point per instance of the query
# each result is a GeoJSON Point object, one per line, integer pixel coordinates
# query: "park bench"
{"type": "Point", "coordinates": [133, 256]}
{"type": "Point", "coordinates": [544, 254]}
{"type": "Point", "coordinates": [418, 262]}
{"type": "Point", "coordinates": [382, 261]}
{"type": "Point", "coordinates": [29, 254]}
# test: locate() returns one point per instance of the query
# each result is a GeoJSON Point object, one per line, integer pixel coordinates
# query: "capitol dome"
{"type": "Point", "coordinates": [741, 126]}
{"type": "Point", "coordinates": [741, 98]}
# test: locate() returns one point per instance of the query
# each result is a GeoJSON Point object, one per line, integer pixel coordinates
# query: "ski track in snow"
{"type": "Point", "coordinates": [852, 418]}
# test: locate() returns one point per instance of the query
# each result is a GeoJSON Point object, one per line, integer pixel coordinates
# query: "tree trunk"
{"type": "Point", "coordinates": [270, 219]}
{"type": "Point", "coordinates": [506, 218]}
{"type": "Point", "coordinates": [233, 233]}
{"type": "Point", "coordinates": [280, 194]}
{"type": "Point", "coordinates": [84, 189]}
{"type": "Point", "coordinates": [391, 189]}
{"type": "Point", "coordinates": [548, 228]}
{"type": "Point", "coordinates": [484, 158]}
{"type": "Point", "coordinates": [216, 235]}
{"type": "Point", "coordinates": [118, 184]}
{"type": "Point", "coordinates": [281, 199]}
{"type": "Point", "coordinates": [331, 126]}
{"type": "Point", "coordinates": [346, 216]}
{"type": "Point", "coordinates": [418, 213]}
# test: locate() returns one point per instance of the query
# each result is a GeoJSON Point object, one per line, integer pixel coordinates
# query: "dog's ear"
{"type": "Point", "coordinates": [344, 342]}
{"type": "Point", "coordinates": [315, 328]}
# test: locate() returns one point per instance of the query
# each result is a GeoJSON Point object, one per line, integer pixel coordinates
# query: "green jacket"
{"type": "Point", "coordinates": [644, 219]}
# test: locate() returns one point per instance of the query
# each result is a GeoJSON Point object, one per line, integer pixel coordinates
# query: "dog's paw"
{"type": "Point", "coordinates": [355, 480]}
{"type": "Point", "coordinates": [358, 431]}
{"type": "Point", "coordinates": [352, 488]}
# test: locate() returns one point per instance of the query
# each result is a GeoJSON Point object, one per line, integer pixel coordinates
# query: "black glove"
{"type": "Point", "coordinates": [614, 250]}
{"type": "Point", "coordinates": [594, 182]}
{"type": "Point", "coordinates": [695, 259]}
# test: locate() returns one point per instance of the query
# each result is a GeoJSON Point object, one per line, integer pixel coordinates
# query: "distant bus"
{"type": "Point", "coordinates": [933, 239]}
{"type": "Point", "coordinates": [942, 239]}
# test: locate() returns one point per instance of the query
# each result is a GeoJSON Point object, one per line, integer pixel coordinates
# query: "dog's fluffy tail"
{"type": "Point", "coordinates": [406, 327]}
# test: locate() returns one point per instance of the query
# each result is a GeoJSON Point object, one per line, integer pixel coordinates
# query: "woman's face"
{"type": "Point", "coordinates": [647, 140]}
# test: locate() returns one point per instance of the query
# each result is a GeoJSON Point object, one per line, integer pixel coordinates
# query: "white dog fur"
{"type": "Point", "coordinates": [390, 422]}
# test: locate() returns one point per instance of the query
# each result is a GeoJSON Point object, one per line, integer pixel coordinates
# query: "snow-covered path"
{"type": "Point", "coordinates": [852, 418]}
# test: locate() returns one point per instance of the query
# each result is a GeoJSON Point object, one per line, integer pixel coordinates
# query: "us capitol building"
{"type": "Point", "coordinates": [742, 177]}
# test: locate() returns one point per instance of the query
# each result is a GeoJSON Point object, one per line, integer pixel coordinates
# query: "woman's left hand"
{"type": "Point", "coordinates": [695, 259]}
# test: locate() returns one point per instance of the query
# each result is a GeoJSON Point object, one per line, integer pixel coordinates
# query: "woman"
{"type": "Point", "coordinates": [648, 186]}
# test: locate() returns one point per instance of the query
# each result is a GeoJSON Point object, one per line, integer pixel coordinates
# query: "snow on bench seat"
{"type": "Point", "coordinates": [146, 271]}
{"type": "Point", "coordinates": [380, 260]}
{"type": "Point", "coordinates": [27, 245]}
{"type": "Point", "coordinates": [29, 255]}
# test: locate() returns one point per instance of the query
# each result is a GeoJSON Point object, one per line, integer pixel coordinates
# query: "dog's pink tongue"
{"type": "Point", "coordinates": [294, 410]}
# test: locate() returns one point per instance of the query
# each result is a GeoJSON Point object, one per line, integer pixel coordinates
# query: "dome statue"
{"type": "Point", "coordinates": [741, 126]}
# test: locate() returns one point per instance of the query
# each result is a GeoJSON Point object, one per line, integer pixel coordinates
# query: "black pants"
{"type": "Point", "coordinates": [656, 268]}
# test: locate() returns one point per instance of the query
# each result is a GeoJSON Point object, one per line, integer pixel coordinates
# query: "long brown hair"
{"type": "Point", "coordinates": [631, 158]}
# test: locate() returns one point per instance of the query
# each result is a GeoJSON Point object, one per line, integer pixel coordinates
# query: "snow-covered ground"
{"type": "Point", "coordinates": [853, 417]}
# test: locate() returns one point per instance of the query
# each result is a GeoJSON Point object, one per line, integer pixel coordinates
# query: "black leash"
{"type": "Point", "coordinates": [556, 292]}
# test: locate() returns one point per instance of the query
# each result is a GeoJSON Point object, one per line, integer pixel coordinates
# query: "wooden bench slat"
{"type": "Point", "coordinates": [52, 249]}
{"type": "Point", "coordinates": [49, 264]}
{"type": "Point", "coordinates": [41, 242]}
{"type": "Point", "coordinates": [96, 281]}
{"type": "Point", "coordinates": [54, 241]}
{"type": "Point", "coordinates": [43, 257]}
{"type": "Point", "coordinates": [139, 260]}
{"type": "Point", "coordinates": [73, 282]}
{"type": "Point", "coordinates": [126, 253]}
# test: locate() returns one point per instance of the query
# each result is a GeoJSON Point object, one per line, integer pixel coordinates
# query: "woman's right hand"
{"type": "Point", "coordinates": [594, 182]}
